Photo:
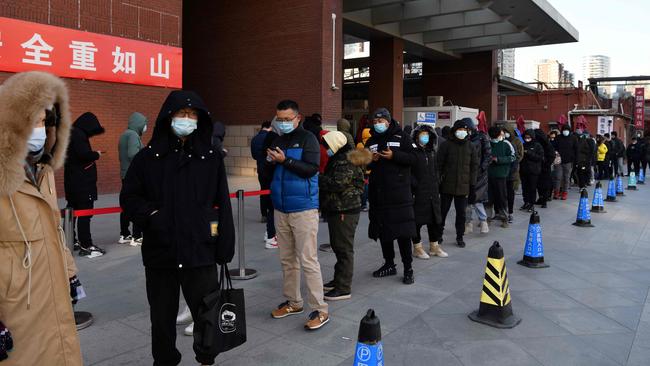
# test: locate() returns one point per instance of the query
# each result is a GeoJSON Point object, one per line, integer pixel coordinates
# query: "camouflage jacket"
{"type": "Point", "coordinates": [341, 185]}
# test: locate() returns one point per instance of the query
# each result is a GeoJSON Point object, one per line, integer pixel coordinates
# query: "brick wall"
{"type": "Point", "coordinates": [238, 142]}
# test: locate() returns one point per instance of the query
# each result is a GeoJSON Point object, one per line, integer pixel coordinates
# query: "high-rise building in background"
{"type": "Point", "coordinates": [506, 62]}
{"type": "Point", "coordinates": [551, 74]}
{"type": "Point", "coordinates": [595, 66]}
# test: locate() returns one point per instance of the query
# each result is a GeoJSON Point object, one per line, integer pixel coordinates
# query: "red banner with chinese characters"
{"type": "Point", "coordinates": [639, 107]}
{"type": "Point", "coordinates": [26, 46]}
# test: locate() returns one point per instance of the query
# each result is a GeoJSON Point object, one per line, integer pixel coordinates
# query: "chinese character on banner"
{"type": "Point", "coordinates": [38, 49]}
{"type": "Point", "coordinates": [83, 56]}
{"type": "Point", "coordinates": [160, 72]}
{"type": "Point", "coordinates": [123, 61]}
{"type": "Point", "coordinates": [639, 108]}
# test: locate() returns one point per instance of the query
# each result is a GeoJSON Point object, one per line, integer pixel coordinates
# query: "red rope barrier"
{"type": "Point", "coordinates": [114, 210]}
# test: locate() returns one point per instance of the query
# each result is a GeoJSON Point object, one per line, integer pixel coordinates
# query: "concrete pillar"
{"type": "Point", "coordinates": [387, 76]}
{"type": "Point", "coordinates": [468, 82]}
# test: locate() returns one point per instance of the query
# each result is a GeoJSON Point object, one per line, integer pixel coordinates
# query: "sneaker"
{"type": "Point", "coordinates": [408, 277]}
{"type": "Point", "coordinates": [76, 246]}
{"type": "Point", "coordinates": [364, 208]}
{"type": "Point", "coordinates": [184, 316]}
{"type": "Point", "coordinates": [435, 249]}
{"type": "Point", "coordinates": [329, 286]}
{"type": "Point", "coordinates": [92, 251]}
{"type": "Point", "coordinates": [556, 195]}
{"type": "Point", "coordinates": [485, 228]}
{"type": "Point", "coordinates": [418, 252]}
{"type": "Point", "coordinates": [510, 219]}
{"type": "Point", "coordinates": [284, 310]}
{"type": "Point", "coordinates": [334, 295]}
{"type": "Point", "coordinates": [469, 227]}
{"type": "Point", "coordinates": [189, 330]}
{"type": "Point", "coordinates": [316, 320]}
{"type": "Point", "coordinates": [565, 195]}
{"type": "Point", "coordinates": [271, 243]}
{"type": "Point", "coordinates": [504, 224]}
{"type": "Point", "coordinates": [385, 271]}
{"type": "Point", "coordinates": [125, 239]}
{"type": "Point", "coordinates": [543, 205]}
{"type": "Point", "coordinates": [136, 242]}
{"type": "Point", "coordinates": [460, 243]}
{"type": "Point", "coordinates": [525, 207]}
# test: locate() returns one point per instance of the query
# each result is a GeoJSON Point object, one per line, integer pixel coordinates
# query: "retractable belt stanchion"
{"type": "Point", "coordinates": [241, 273]}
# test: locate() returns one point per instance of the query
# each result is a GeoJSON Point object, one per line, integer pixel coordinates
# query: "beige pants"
{"type": "Point", "coordinates": [297, 238]}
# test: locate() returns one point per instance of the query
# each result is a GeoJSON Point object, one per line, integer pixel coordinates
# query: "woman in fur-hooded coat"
{"type": "Point", "coordinates": [35, 264]}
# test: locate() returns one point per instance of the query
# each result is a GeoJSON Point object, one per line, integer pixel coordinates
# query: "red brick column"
{"type": "Point", "coordinates": [386, 76]}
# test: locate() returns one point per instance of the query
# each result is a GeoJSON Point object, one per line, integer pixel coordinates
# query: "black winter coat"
{"type": "Point", "coordinates": [458, 165]}
{"type": "Point", "coordinates": [80, 176]}
{"type": "Point", "coordinates": [585, 153]}
{"type": "Point", "coordinates": [533, 159]}
{"type": "Point", "coordinates": [424, 181]}
{"type": "Point", "coordinates": [549, 151]}
{"type": "Point", "coordinates": [178, 193]}
{"type": "Point", "coordinates": [635, 151]}
{"type": "Point", "coordinates": [389, 189]}
{"type": "Point", "coordinates": [567, 146]}
{"type": "Point", "coordinates": [481, 143]}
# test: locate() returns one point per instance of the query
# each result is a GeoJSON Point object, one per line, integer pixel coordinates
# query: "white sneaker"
{"type": "Point", "coordinates": [184, 316]}
{"type": "Point", "coordinates": [266, 236]}
{"type": "Point", "coordinates": [271, 243]}
{"type": "Point", "coordinates": [136, 242]}
{"type": "Point", "coordinates": [484, 227]}
{"type": "Point", "coordinates": [189, 330]}
{"type": "Point", "coordinates": [469, 227]}
{"type": "Point", "coordinates": [125, 239]}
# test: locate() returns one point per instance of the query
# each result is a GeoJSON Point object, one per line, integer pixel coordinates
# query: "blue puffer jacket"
{"type": "Point", "coordinates": [295, 182]}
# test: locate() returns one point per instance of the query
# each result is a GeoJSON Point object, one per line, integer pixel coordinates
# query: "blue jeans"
{"type": "Point", "coordinates": [480, 212]}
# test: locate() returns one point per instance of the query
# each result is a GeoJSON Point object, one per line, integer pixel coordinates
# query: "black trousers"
{"type": "Point", "coordinates": [545, 183]}
{"type": "Point", "coordinates": [434, 230]}
{"type": "Point", "coordinates": [81, 225]}
{"type": "Point", "coordinates": [405, 250]}
{"type": "Point", "coordinates": [460, 203]}
{"type": "Point", "coordinates": [510, 188]}
{"type": "Point", "coordinates": [633, 166]}
{"type": "Point", "coordinates": [498, 195]}
{"type": "Point", "coordinates": [613, 167]}
{"type": "Point", "coordinates": [582, 173]}
{"type": "Point", "coordinates": [603, 169]}
{"type": "Point", "coordinates": [163, 293]}
{"type": "Point", "coordinates": [342, 228]}
{"type": "Point", "coordinates": [124, 225]}
{"type": "Point", "coordinates": [529, 187]}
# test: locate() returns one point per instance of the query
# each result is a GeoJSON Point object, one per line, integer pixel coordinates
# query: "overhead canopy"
{"type": "Point", "coordinates": [453, 27]}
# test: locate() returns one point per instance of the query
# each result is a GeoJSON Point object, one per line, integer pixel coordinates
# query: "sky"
{"type": "Point", "coordinates": [619, 29]}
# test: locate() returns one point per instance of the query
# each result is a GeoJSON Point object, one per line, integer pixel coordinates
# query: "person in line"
{"type": "Point", "coordinates": [619, 154]}
{"type": "Point", "coordinates": [458, 166]}
{"type": "Point", "coordinates": [478, 194]}
{"type": "Point", "coordinates": [530, 169]}
{"type": "Point", "coordinates": [567, 146]}
{"type": "Point", "coordinates": [513, 179]}
{"type": "Point", "coordinates": [177, 190]}
{"type": "Point", "coordinates": [634, 155]}
{"type": "Point", "coordinates": [38, 271]}
{"type": "Point", "coordinates": [502, 158]}
{"type": "Point", "coordinates": [645, 156]}
{"type": "Point", "coordinates": [258, 152]}
{"type": "Point", "coordinates": [389, 191]}
{"type": "Point", "coordinates": [344, 126]}
{"type": "Point", "coordinates": [604, 157]}
{"type": "Point", "coordinates": [545, 179]}
{"type": "Point", "coordinates": [341, 187]}
{"type": "Point", "coordinates": [424, 180]}
{"type": "Point", "coordinates": [80, 179]}
{"type": "Point", "coordinates": [292, 161]}
{"type": "Point", "coordinates": [365, 135]}
{"type": "Point", "coordinates": [584, 157]}
{"type": "Point", "coordinates": [129, 145]}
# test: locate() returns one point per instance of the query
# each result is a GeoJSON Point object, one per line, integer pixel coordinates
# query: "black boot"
{"type": "Point", "coordinates": [408, 277]}
{"type": "Point", "coordinates": [388, 269]}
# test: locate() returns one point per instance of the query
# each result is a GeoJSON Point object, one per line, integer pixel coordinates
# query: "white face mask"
{"type": "Point", "coordinates": [183, 126]}
{"type": "Point", "coordinates": [144, 129]}
{"type": "Point", "coordinates": [36, 141]}
{"type": "Point", "coordinates": [461, 134]}
{"type": "Point", "coordinates": [565, 132]}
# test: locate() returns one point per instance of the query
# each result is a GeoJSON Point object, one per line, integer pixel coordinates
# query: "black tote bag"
{"type": "Point", "coordinates": [222, 318]}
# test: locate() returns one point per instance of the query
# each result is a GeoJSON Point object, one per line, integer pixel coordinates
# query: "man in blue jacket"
{"type": "Point", "coordinates": [293, 159]}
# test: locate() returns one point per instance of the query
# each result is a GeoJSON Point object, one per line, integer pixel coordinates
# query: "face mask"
{"type": "Point", "coordinates": [579, 132]}
{"type": "Point", "coordinates": [330, 153]}
{"type": "Point", "coordinates": [507, 135]}
{"type": "Point", "coordinates": [460, 134]}
{"type": "Point", "coordinates": [381, 127]}
{"type": "Point", "coordinates": [36, 141]}
{"type": "Point", "coordinates": [528, 140]}
{"type": "Point", "coordinates": [500, 138]}
{"type": "Point", "coordinates": [144, 129]}
{"type": "Point", "coordinates": [565, 132]}
{"type": "Point", "coordinates": [424, 139]}
{"type": "Point", "coordinates": [183, 126]}
{"type": "Point", "coordinates": [286, 127]}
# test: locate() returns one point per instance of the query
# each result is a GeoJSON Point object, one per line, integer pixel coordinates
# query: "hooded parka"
{"type": "Point", "coordinates": [80, 176]}
{"type": "Point", "coordinates": [458, 164]}
{"type": "Point", "coordinates": [131, 141]}
{"type": "Point", "coordinates": [424, 179]}
{"type": "Point", "coordinates": [481, 143]}
{"type": "Point", "coordinates": [35, 263]}
{"type": "Point", "coordinates": [178, 193]}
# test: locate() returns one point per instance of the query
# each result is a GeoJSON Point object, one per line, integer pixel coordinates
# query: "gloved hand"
{"type": "Point", "coordinates": [76, 290]}
{"type": "Point", "coordinates": [6, 342]}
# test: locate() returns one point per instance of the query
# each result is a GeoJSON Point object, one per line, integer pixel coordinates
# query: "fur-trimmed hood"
{"type": "Point", "coordinates": [22, 98]}
{"type": "Point", "coordinates": [360, 157]}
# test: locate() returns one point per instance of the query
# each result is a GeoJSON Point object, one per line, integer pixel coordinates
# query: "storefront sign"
{"type": "Point", "coordinates": [26, 46]}
{"type": "Point", "coordinates": [427, 117]}
{"type": "Point", "coordinates": [639, 107]}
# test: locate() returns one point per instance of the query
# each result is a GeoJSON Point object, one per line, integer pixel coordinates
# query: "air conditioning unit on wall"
{"type": "Point", "coordinates": [434, 101]}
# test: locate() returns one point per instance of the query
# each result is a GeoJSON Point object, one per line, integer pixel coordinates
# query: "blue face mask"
{"type": "Point", "coordinates": [286, 127]}
{"type": "Point", "coordinates": [381, 127]}
{"type": "Point", "coordinates": [37, 139]}
{"type": "Point", "coordinates": [183, 126]}
{"type": "Point", "coordinates": [424, 139]}
{"type": "Point", "coordinates": [330, 153]}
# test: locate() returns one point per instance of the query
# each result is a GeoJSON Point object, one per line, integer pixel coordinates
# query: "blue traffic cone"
{"type": "Point", "coordinates": [584, 215]}
{"type": "Point", "coordinates": [631, 182]}
{"type": "Point", "coordinates": [370, 351]}
{"type": "Point", "coordinates": [534, 248]}
{"type": "Point", "coordinates": [641, 177]}
{"type": "Point", "coordinates": [495, 308]}
{"type": "Point", "coordinates": [619, 186]}
{"type": "Point", "coordinates": [611, 191]}
{"type": "Point", "coordinates": [598, 204]}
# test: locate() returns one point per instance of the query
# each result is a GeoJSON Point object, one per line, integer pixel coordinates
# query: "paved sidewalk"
{"type": "Point", "coordinates": [591, 307]}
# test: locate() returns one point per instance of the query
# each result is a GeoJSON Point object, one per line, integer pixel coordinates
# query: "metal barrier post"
{"type": "Point", "coordinates": [241, 273]}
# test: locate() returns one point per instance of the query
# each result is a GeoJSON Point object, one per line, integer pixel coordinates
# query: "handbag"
{"type": "Point", "coordinates": [222, 318]}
